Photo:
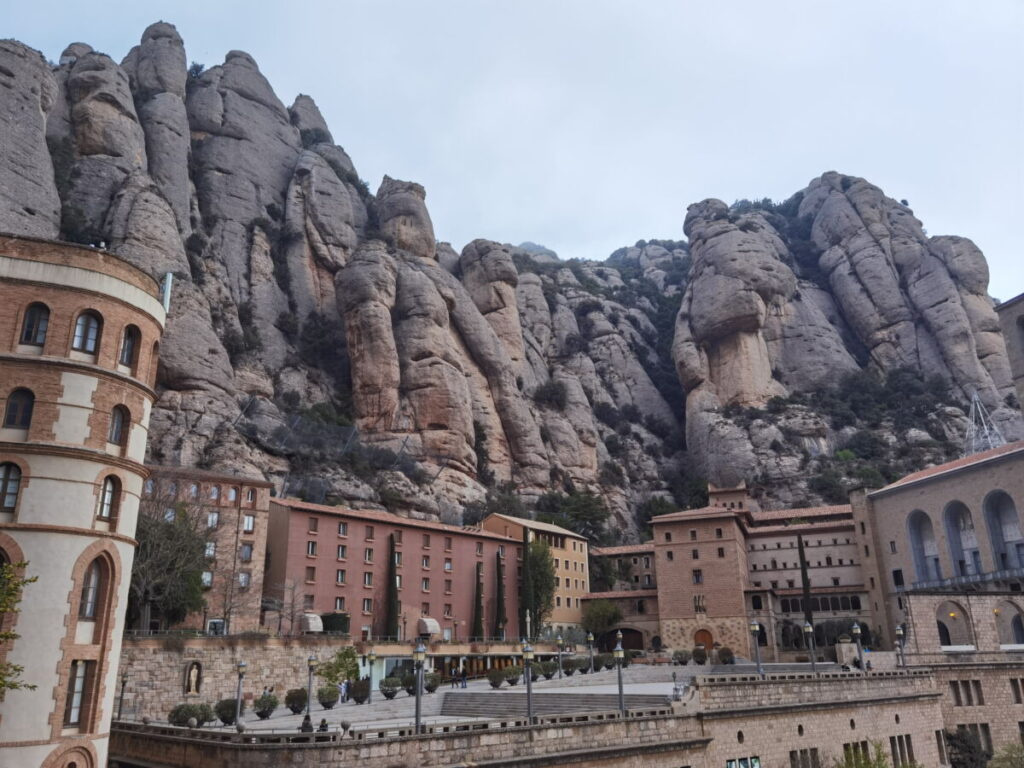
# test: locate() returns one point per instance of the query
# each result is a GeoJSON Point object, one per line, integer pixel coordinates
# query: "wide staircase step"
{"type": "Point", "coordinates": [508, 704]}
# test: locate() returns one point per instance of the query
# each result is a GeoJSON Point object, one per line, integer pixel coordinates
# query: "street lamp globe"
{"type": "Point", "coordinates": [755, 627]}
{"type": "Point", "coordinates": [241, 668]}
{"type": "Point", "coordinates": [419, 654]}
{"type": "Point", "coordinates": [558, 640]}
{"type": "Point", "coordinates": [311, 662]}
{"type": "Point", "coordinates": [590, 638]}
{"type": "Point", "coordinates": [808, 629]}
{"type": "Point", "coordinates": [527, 652]}
{"type": "Point", "coordinates": [371, 657]}
{"type": "Point", "coordinates": [899, 632]}
{"type": "Point", "coordinates": [855, 630]}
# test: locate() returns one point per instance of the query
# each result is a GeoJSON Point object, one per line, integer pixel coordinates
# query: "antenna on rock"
{"type": "Point", "coordinates": [982, 434]}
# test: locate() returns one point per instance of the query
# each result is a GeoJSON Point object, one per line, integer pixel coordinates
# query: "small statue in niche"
{"type": "Point", "coordinates": [193, 677]}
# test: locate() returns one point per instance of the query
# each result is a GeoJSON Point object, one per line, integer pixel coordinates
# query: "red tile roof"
{"type": "Point", "coordinates": [956, 464]}
{"type": "Point", "coordinates": [621, 594]}
{"type": "Point", "coordinates": [810, 527]}
{"type": "Point", "coordinates": [537, 525]}
{"type": "Point", "coordinates": [158, 470]}
{"type": "Point", "coordinates": [625, 549]}
{"type": "Point", "coordinates": [387, 518]}
{"type": "Point", "coordinates": [696, 514]}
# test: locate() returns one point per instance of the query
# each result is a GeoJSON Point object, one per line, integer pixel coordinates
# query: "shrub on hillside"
{"type": "Point", "coordinates": [551, 394]}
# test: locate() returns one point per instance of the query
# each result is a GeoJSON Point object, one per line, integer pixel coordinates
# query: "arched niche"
{"type": "Point", "coordinates": [963, 541]}
{"type": "Point", "coordinates": [1004, 530]}
{"type": "Point", "coordinates": [923, 546]}
{"type": "Point", "coordinates": [953, 622]}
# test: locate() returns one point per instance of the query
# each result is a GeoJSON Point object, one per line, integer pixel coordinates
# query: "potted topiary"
{"type": "Point", "coordinates": [181, 714]}
{"type": "Point", "coordinates": [681, 657]}
{"type": "Point", "coordinates": [431, 681]}
{"type": "Point", "coordinates": [583, 665]}
{"type": "Point", "coordinates": [496, 677]}
{"type": "Point", "coordinates": [390, 686]}
{"type": "Point", "coordinates": [225, 709]}
{"type": "Point", "coordinates": [548, 669]}
{"type": "Point", "coordinates": [265, 705]}
{"type": "Point", "coordinates": [513, 673]}
{"type": "Point", "coordinates": [409, 683]}
{"type": "Point", "coordinates": [700, 656]}
{"type": "Point", "coordinates": [327, 696]}
{"type": "Point", "coordinates": [295, 700]}
{"type": "Point", "coordinates": [568, 667]}
{"type": "Point", "coordinates": [360, 690]}
{"type": "Point", "coordinates": [726, 656]}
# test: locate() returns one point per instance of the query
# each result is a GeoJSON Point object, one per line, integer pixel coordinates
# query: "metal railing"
{"type": "Point", "coordinates": [1006, 574]}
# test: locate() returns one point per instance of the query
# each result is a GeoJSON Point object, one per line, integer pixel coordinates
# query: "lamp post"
{"type": "Point", "coordinates": [238, 692]}
{"type": "Point", "coordinates": [558, 641]}
{"type": "Point", "coordinates": [528, 667]}
{"type": "Point", "coordinates": [855, 630]}
{"type": "Point", "coordinates": [755, 632]}
{"type": "Point", "coordinates": [311, 665]}
{"type": "Point", "coordinates": [809, 637]}
{"type": "Point", "coordinates": [619, 655]}
{"type": "Point", "coordinates": [900, 661]}
{"type": "Point", "coordinates": [372, 658]}
{"type": "Point", "coordinates": [590, 649]}
{"type": "Point", "coordinates": [418, 656]}
{"type": "Point", "coordinates": [120, 703]}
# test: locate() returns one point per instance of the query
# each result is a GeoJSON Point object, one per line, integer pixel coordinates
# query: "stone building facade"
{"type": "Point", "coordinates": [79, 340]}
{"type": "Point", "coordinates": [1011, 320]}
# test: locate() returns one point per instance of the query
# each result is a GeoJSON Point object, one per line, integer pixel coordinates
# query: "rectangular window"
{"type": "Point", "coordinates": [448, 610]}
{"type": "Point", "coordinates": [244, 579]}
{"type": "Point", "coordinates": [398, 580]}
{"type": "Point", "coordinates": [211, 549]}
{"type": "Point", "coordinates": [212, 519]}
{"type": "Point", "coordinates": [448, 586]}
{"type": "Point", "coordinates": [647, 579]}
{"type": "Point", "coordinates": [367, 605]}
{"type": "Point", "coordinates": [245, 553]}
{"type": "Point", "coordinates": [343, 529]}
{"type": "Point", "coordinates": [1015, 687]}
{"type": "Point", "coordinates": [369, 533]}
{"type": "Point", "coordinates": [698, 576]}
{"type": "Point", "coordinates": [480, 548]}
{"type": "Point", "coordinates": [368, 555]}
{"type": "Point", "coordinates": [207, 579]}
{"type": "Point", "coordinates": [695, 554]}
{"type": "Point", "coordinates": [425, 561]}
{"type": "Point", "coordinates": [339, 603]}
{"type": "Point", "coordinates": [670, 555]}
{"type": "Point", "coordinates": [342, 551]}
{"type": "Point", "coordinates": [398, 558]}
{"type": "Point", "coordinates": [892, 547]}
{"type": "Point", "coordinates": [501, 550]}
{"type": "Point", "coordinates": [398, 537]}
{"type": "Point", "coordinates": [307, 602]}
{"type": "Point", "coordinates": [426, 540]}
{"type": "Point", "coordinates": [897, 577]}
{"type": "Point", "coordinates": [718, 533]}
{"type": "Point", "coordinates": [979, 696]}
{"type": "Point", "coordinates": [721, 551]}
{"type": "Point", "coordinates": [448, 543]}
{"type": "Point", "coordinates": [368, 579]}
{"type": "Point", "coordinates": [693, 534]}
{"type": "Point", "coordinates": [339, 576]}
{"type": "Point", "coordinates": [310, 573]}
{"type": "Point", "coordinates": [80, 673]}
{"type": "Point", "coordinates": [940, 747]}
{"type": "Point", "coordinates": [311, 548]}
{"type": "Point", "coordinates": [248, 523]}
{"type": "Point", "coordinates": [314, 524]}
{"type": "Point", "coordinates": [425, 609]}
{"type": "Point", "coordinates": [425, 585]}
{"type": "Point", "coordinates": [448, 564]}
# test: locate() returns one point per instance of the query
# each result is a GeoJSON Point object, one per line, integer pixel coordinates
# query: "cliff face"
{"type": "Point", "coordinates": [320, 335]}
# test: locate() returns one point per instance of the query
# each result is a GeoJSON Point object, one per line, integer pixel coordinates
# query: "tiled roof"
{"type": "Point", "coordinates": [625, 549]}
{"type": "Point", "coordinates": [387, 518]}
{"type": "Point", "coordinates": [538, 526]}
{"type": "Point", "coordinates": [809, 527]}
{"type": "Point", "coordinates": [695, 514]}
{"type": "Point", "coordinates": [157, 470]}
{"type": "Point", "coordinates": [621, 594]}
{"type": "Point", "coordinates": [956, 464]}
{"type": "Point", "coordinates": [795, 514]}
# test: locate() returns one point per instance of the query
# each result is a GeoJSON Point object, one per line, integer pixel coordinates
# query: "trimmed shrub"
{"type": "Point", "coordinates": [225, 709]}
{"type": "Point", "coordinates": [360, 690]}
{"type": "Point", "coordinates": [295, 700]}
{"type": "Point", "coordinates": [568, 666]}
{"type": "Point", "coordinates": [726, 656]}
{"type": "Point", "coordinates": [390, 686]}
{"type": "Point", "coordinates": [328, 696]}
{"type": "Point", "coordinates": [548, 669]}
{"type": "Point", "coordinates": [680, 657]}
{"type": "Point", "coordinates": [513, 673]}
{"type": "Point", "coordinates": [203, 713]}
{"type": "Point", "coordinates": [496, 677]}
{"type": "Point", "coordinates": [700, 656]}
{"type": "Point", "coordinates": [409, 683]}
{"type": "Point", "coordinates": [431, 682]}
{"type": "Point", "coordinates": [265, 705]}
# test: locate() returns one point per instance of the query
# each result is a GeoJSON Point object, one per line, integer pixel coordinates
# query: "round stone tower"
{"type": "Point", "coordinates": [79, 341]}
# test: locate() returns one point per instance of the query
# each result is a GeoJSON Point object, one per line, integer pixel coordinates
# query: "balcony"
{"type": "Point", "coordinates": [1007, 574]}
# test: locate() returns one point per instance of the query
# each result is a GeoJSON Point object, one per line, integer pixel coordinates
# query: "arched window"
{"type": "Point", "coordinates": [193, 491]}
{"type": "Point", "coordinates": [87, 332]}
{"type": "Point", "coordinates": [129, 346]}
{"type": "Point", "coordinates": [120, 422]}
{"type": "Point", "coordinates": [214, 492]}
{"type": "Point", "coordinates": [10, 482]}
{"type": "Point", "coordinates": [19, 409]}
{"type": "Point", "coordinates": [110, 495]}
{"type": "Point", "coordinates": [1004, 530]}
{"type": "Point", "coordinates": [963, 542]}
{"type": "Point", "coordinates": [923, 546]}
{"type": "Point", "coordinates": [33, 327]}
{"type": "Point", "coordinates": [232, 494]}
{"type": "Point", "coordinates": [90, 591]}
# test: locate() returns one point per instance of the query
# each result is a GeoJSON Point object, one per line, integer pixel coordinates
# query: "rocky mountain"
{"type": "Point", "coordinates": [322, 337]}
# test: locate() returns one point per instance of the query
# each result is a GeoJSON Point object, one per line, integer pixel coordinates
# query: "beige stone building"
{"type": "Point", "coordinates": [570, 554]}
{"type": "Point", "coordinates": [79, 335]}
{"type": "Point", "coordinates": [1011, 319]}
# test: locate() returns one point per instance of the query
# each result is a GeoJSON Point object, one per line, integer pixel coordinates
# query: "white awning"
{"type": "Point", "coordinates": [428, 626]}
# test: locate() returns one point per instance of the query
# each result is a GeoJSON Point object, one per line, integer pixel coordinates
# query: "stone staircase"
{"type": "Point", "coordinates": [492, 704]}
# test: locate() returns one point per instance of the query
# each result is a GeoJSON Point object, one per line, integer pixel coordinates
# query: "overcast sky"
{"type": "Point", "coordinates": [589, 125]}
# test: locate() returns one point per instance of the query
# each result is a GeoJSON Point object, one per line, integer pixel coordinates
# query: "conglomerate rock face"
{"type": "Point", "coordinates": [315, 324]}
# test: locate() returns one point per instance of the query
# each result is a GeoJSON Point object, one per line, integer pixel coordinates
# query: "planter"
{"type": "Point", "coordinates": [295, 700]}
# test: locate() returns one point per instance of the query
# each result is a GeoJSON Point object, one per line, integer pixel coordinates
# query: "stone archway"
{"type": "Point", "coordinates": [953, 623]}
{"type": "Point", "coordinates": [1009, 623]}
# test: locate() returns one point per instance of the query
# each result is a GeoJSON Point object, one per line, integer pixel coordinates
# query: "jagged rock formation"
{"type": "Point", "coordinates": [305, 306]}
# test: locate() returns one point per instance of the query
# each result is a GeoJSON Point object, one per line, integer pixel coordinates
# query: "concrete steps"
{"type": "Point", "coordinates": [508, 704]}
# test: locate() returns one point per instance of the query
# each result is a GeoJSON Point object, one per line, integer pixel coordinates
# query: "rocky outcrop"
{"type": "Point", "coordinates": [320, 336]}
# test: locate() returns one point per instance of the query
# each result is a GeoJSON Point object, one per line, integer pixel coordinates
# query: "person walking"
{"type": "Point", "coordinates": [465, 677]}
{"type": "Point", "coordinates": [454, 672]}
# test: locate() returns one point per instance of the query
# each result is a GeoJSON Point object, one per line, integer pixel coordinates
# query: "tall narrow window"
{"type": "Point", "coordinates": [249, 523]}
{"type": "Point", "coordinates": [76, 690]}
{"type": "Point", "coordinates": [90, 592]}
{"type": "Point", "coordinates": [119, 422]}
{"type": "Point", "coordinates": [87, 333]}
{"type": "Point", "coordinates": [18, 414]}
{"type": "Point", "coordinates": [109, 497]}
{"type": "Point", "coordinates": [129, 346]}
{"type": "Point", "coordinates": [10, 482]}
{"type": "Point", "coordinates": [33, 328]}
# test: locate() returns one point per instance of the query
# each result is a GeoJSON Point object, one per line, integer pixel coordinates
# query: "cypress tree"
{"type": "Point", "coordinates": [500, 619]}
{"type": "Point", "coordinates": [526, 591]}
{"type": "Point", "coordinates": [477, 632]}
{"type": "Point", "coordinates": [805, 581]}
{"type": "Point", "coordinates": [391, 593]}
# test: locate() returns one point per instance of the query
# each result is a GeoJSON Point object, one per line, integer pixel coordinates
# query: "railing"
{"type": "Point", "coordinates": [1007, 574]}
